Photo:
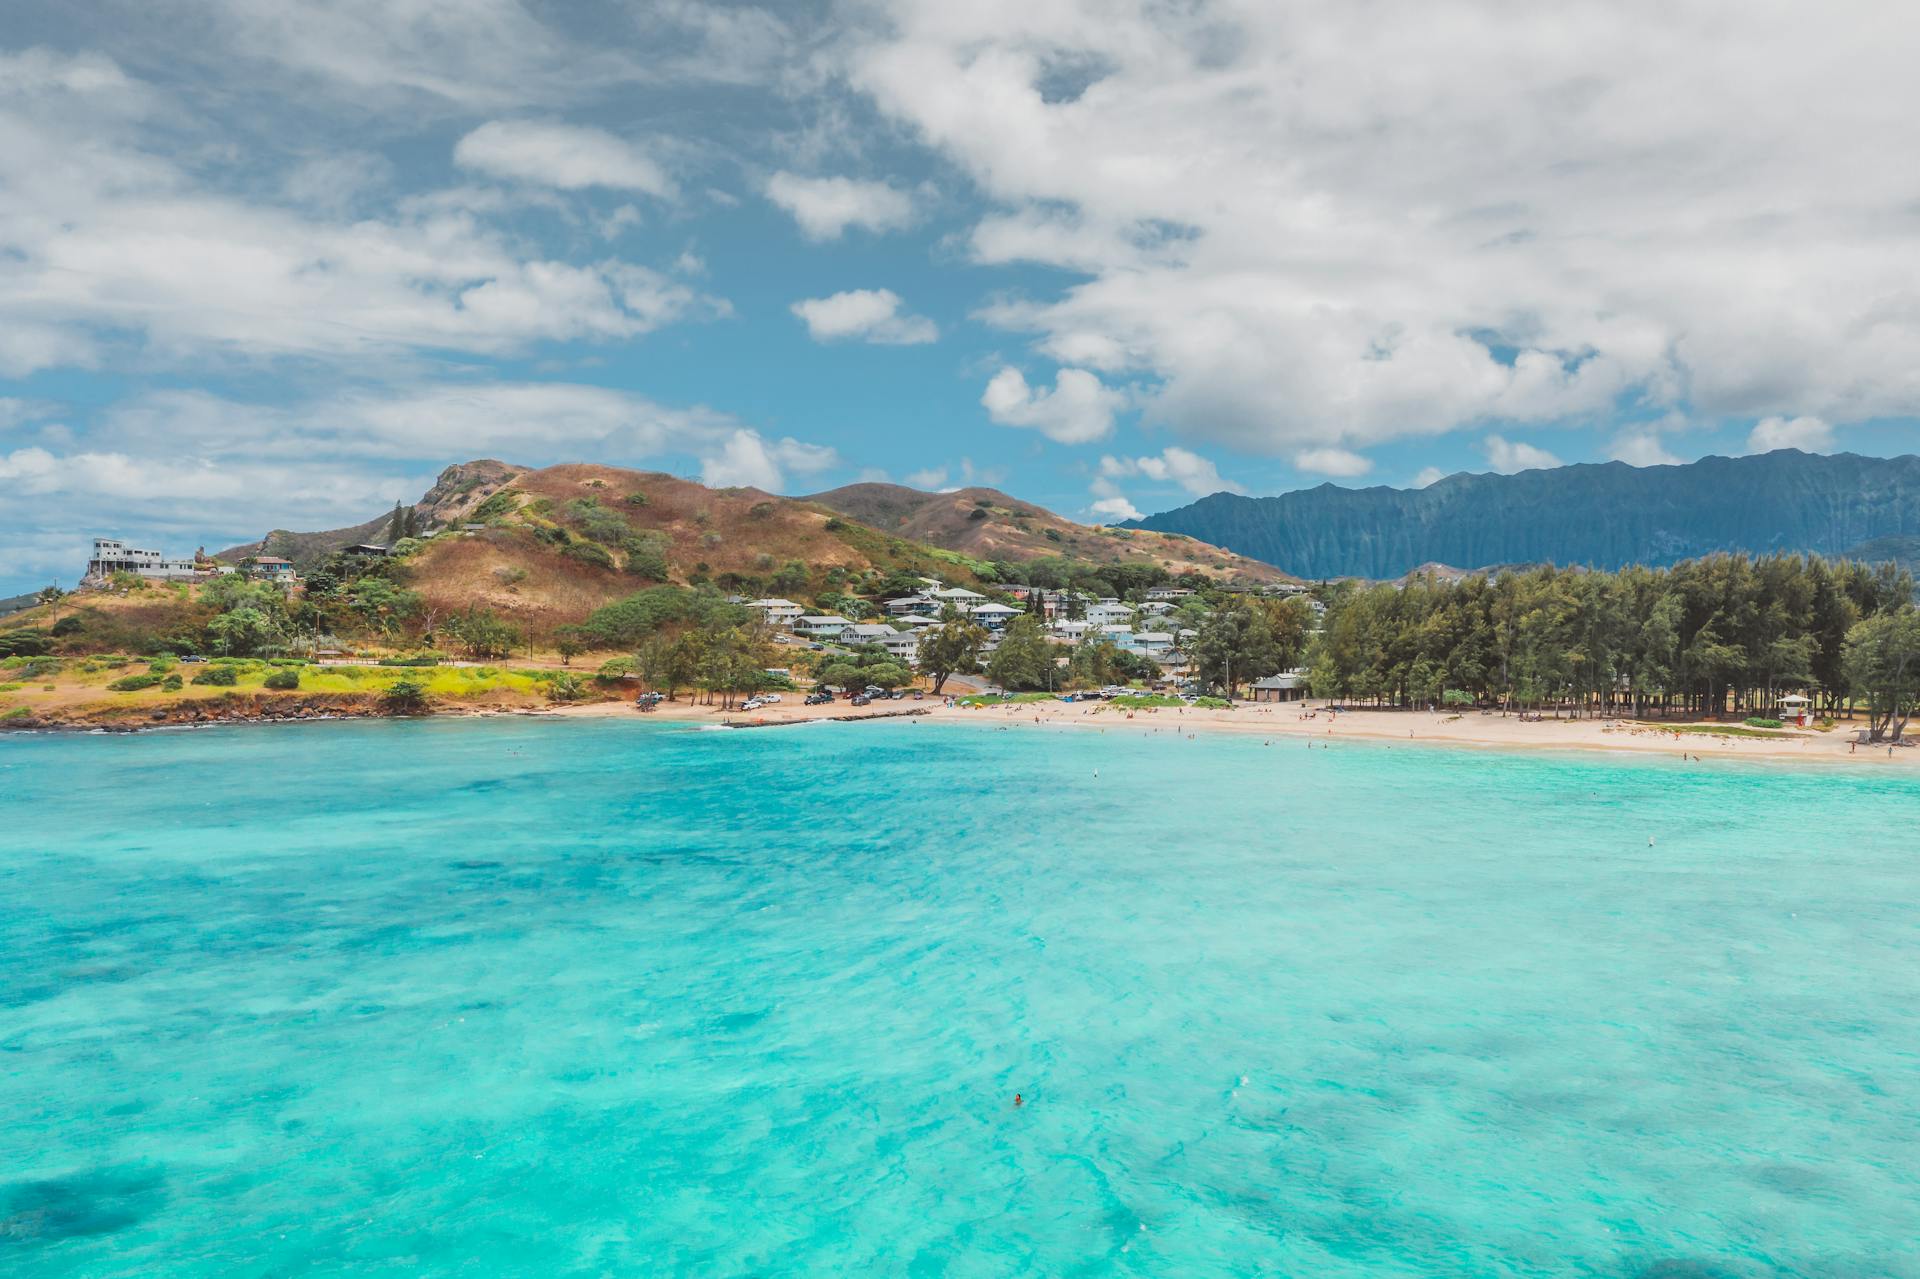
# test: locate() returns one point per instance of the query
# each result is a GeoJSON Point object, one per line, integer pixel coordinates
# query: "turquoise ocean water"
{"type": "Point", "coordinates": [604, 998]}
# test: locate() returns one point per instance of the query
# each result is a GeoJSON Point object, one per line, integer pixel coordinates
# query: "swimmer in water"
{"type": "Point", "coordinates": [1018, 1101]}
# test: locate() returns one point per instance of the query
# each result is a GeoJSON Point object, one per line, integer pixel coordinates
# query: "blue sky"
{"type": "Point", "coordinates": [274, 265]}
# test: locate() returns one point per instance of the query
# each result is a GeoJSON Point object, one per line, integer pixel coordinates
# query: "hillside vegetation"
{"type": "Point", "coordinates": [987, 524]}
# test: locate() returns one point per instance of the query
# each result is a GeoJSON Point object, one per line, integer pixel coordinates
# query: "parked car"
{"type": "Point", "coordinates": [193, 657]}
{"type": "Point", "coordinates": [769, 698]}
{"type": "Point", "coordinates": [816, 647]}
{"type": "Point", "coordinates": [861, 699]}
{"type": "Point", "coordinates": [917, 695]}
{"type": "Point", "coordinates": [819, 699]}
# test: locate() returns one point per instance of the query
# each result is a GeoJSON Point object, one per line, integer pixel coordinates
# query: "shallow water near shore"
{"type": "Point", "coordinates": [518, 997]}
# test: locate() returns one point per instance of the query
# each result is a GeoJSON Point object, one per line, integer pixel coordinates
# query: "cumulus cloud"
{"type": "Point", "coordinates": [1641, 447]}
{"type": "Point", "coordinates": [1507, 456]}
{"type": "Point", "coordinates": [1429, 475]}
{"type": "Point", "coordinates": [932, 477]}
{"type": "Point", "coordinates": [826, 207]}
{"type": "Point", "coordinates": [1530, 221]}
{"type": "Point", "coordinates": [565, 156]}
{"type": "Point", "coordinates": [1175, 465]}
{"type": "Point", "coordinates": [1108, 510]}
{"type": "Point", "coordinates": [106, 240]}
{"type": "Point", "coordinates": [1078, 410]}
{"type": "Point", "coordinates": [1808, 434]}
{"type": "Point", "coordinates": [1337, 462]}
{"type": "Point", "coordinates": [746, 459]}
{"type": "Point", "coordinates": [871, 315]}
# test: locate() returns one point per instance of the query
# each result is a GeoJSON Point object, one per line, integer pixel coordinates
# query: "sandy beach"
{"type": "Point", "coordinates": [1313, 726]}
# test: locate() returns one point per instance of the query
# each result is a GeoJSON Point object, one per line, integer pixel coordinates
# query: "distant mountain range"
{"type": "Point", "coordinates": [1602, 515]}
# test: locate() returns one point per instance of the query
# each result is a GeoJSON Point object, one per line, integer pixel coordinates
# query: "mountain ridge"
{"type": "Point", "coordinates": [1599, 514]}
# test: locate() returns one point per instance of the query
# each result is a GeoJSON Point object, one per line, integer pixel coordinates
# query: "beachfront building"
{"type": "Point", "coordinates": [1157, 645]}
{"type": "Point", "coordinates": [820, 626]}
{"type": "Point", "coordinates": [778, 613]}
{"type": "Point", "coordinates": [1288, 687]}
{"type": "Point", "coordinates": [111, 555]}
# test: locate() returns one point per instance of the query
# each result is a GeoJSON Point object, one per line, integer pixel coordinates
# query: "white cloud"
{"type": "Point", "coordinates": [1641, 446]}
{"type": "Point", "coordinates": [1507, 456]}
{"type": "Point", "coordinates": [1193, 473]}
{"type": "Point", "coordinates": [1107, 510]}
{"type": "Point", "coordinates": [565, 156]}
{"type": "Point", "coordinates": [1338, 462]}
{"type": "Point", "coordinates": [746, 459]}
{"type": "Point", "coordinates": [1078, 410]}
{"type": "Point", "coordinates": [105, 240]}
{"type": "Point", "coordinates": [1429, 475]}
{"type": "Point", "coordinates": [872, 315]}
{"type": "Point", "coordinates": [932, 477]}
{"type": "Point", "coordinates": [826, 207]}
{"type": "Point", "coordinates": [1297, 251]}
{"type": "Point", "coordinates": [1808, 434]}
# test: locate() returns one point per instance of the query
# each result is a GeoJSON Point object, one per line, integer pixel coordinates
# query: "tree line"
{"type": "Point", "coordinates": [1728, 633]}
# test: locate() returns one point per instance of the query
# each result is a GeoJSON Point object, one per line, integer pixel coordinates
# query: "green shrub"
{"type": "Point", "coordinates": [1761, 721]}
{"type": "Point", "coordinates": [589, 553]}
{"type": "Point", "coordinates": [565, 686]}
{"type": "Point", "coordinates": [617, 669]}
{"type": "Point", "coordinates": [406, 696]}
{"type": "Point", "coordinates": [25, 643]}
{"type": "Point", "coordinates": [282, 680]}
{"type": "Point", "coordinates": [636, 499]}
{"type": "Point", "coordinates": [18, 712]}
{"type": "Point", "coordinates": [171, 684]}
{"type": "Point", "coordinates": [11, 688]}
{"type": "Point", "coordinates": [1456, 697]}
{"type": "Point", "coordinates": [501, 503]}
{"type": "Point", "coordinates": [220, 676]}
{"type": "Point", "coordinates": [134, 683]}
{"type": "Point", "coordinates": [161, 665]}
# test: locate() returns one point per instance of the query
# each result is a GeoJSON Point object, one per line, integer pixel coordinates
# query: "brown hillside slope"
{"type": "Point", "coordinates": [738, 538]}
{"type": "Point", "coordinates": [987, 524]}
{"type": "Point", "coordinates": [457, 491]}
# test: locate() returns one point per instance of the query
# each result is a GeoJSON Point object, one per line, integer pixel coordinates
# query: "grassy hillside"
{"type": "Point", "coordinates": [542, 549]}
{"type": "Point", "coordinates": [987, 524]}
{"type": "Point", "coordinates": [564, 540]}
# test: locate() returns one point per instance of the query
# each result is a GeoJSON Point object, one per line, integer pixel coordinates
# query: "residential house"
{"type": "Point", "coordinates": [960, 595]}
{"type": "Point", "coordinates": [1109, 613]}
{"type": "Point", "coordinates": [1157, 645]}
{"type": "Point", "coordinates": [778, 613]}
{"type": "Point", "coordinates": [820, 627]}
{"type": "Point", "coordinates": [910, 604]}
{"type": "Point", "coordinates": [992, 616]}
{"type": "Point", "coordinates": [903, 646]}
{"type": "Point", "coordinates": [270, 568]}
{"type": "Point", "coordinates": [1168, 593]}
